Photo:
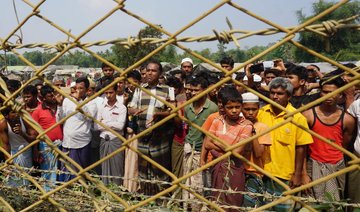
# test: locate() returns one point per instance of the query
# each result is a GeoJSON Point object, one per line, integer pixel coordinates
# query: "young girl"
{"type": "Point", "coordinates": [230, 128]}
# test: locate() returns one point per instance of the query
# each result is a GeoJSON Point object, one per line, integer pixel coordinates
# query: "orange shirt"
{"type": "Point", "coordinates": [263, 140]}
{"type": "Point", "coordinates": [231, 134]}
{"type": "Point", "coordinates": [206, 126]}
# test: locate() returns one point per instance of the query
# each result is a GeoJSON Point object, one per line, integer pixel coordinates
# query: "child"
{"type": "Point", "coordinates": [230, 128]}
{"type": "Point", "coordinates": [257, 153]}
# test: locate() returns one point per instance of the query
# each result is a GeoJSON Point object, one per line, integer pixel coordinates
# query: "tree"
{"type": "Point", "coordinates": [124, 57]}
{"type": "Point", "coordinates": [342, 45]}
{"type": "Point", "coordinates": [169, 55]}
{"type": "Point", "coordinates": [35, 57]}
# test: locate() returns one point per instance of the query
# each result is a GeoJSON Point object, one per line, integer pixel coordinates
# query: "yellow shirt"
{"type": "Point", "coordinates": [284, 141]}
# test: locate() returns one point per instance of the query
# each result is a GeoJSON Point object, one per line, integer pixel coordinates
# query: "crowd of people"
{"type": "Point", "coordinates": [229, 113]}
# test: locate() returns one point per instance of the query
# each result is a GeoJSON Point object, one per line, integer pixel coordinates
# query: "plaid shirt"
{"type": "Point", "coordinates": [149, 104]}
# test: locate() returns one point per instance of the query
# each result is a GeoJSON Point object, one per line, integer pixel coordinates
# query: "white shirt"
{"type": "Point", "coordinates": [354, 110]}
{"type": "Point", "coordinates": [76, 128]}
{"type": "Point", "coordinates": [112, 116]}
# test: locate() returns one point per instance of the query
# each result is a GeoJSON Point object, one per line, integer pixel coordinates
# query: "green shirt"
{"type": "Point", "coordinates": [195, 136]}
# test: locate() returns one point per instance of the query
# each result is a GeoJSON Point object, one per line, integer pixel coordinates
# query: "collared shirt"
{"type": "Point", "coordinates": [194, 136]}
{"type": "Point", "coordinates": [46, 119]}
{"type": "Point", "coordinates": [149, 104]}
{"type": "Point", "coordinates": [112, 116]}
{"type": "Point", "coordinates": [76, 128]}
{"type": "Point", "coordinates": [354, 110]}
{"type": "Point", "coordinates": [284, 141]}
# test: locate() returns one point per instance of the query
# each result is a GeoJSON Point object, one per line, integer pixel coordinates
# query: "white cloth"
{"type": "Point", "coordinates": [113, 117]}
{"type": "Point", "coordinates": [76, 128]}
{"type": "Point", "coordinates": [354, 110]}
{"type": "Point", "coordinates": [17, 141]}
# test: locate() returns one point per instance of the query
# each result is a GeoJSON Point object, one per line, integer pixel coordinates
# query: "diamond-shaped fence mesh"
{"type": "Point", "coordinates": [85, 190]}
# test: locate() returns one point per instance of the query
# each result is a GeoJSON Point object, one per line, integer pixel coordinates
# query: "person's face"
{"type": "Point", "coordinates": [250, 110]}
{"type": "Point", "coordinates": [108, 71]}
{"type": "Point", "coordinates": [91, 91]}
{"type": "Point", "coordinates": [187, 67]}
{"type": "Point", "coordinates": [214, 92]}
{"type": "Point", "coordinates": [227, 67]}
{"type": "Point", "coordinates": [110, 94]}
{"type": "Point", "coordinates": [178, 76]}
{"type": "Point", "coordinates": [221, 107]}
{"type": "Point", "coordinates": [59, 83]}
{"type": "Point", "coordinates": [162, 80]}
{"type": "Point", "coordinates": [49, 98]}
{"type": "Point", "coordinates": [187, 88]}
{"type": "Point", "coordinates": [143, 75]}
{"type": "Point", "coordinates": [269, 77]}
{"type": "Point", "coordinates": [13, 116]}
{"type": "Point", "coordinates": [28, 98]}
{"type": "Point", "coordinates": [121, 86]}
{"type": "Point", "coordinates": [38, 87]}
{"type": "Point", "coordinates": [152, 73]}
{"type": "Point", "coordinates": [333, 100]}
{"type": "Point", "coordinates": [130, 86]}
{"type": "Point", "coordinates": [280, 96]}
{"type": "Point", "coordinates": [311, 77]}
{"type": "Point", "coordinates": [347, 77]}
{"type": "Point", "coordinates": [295, 81]}
{"type": "Point", "coordinates": [232, 110]}
{"type": "Point", "coordinates": [72, 90]}
{"type": "Point", "coordinates": [195, 90]}
{"type": "Point", "coordinates": [81, 89]}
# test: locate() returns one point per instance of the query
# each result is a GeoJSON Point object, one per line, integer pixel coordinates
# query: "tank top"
{"type": "Point", "coordinates": [16, 140]}
{"type": "Point", "coordinates": [321, 151]}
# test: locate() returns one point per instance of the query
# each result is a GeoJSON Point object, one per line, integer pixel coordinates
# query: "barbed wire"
{"type": "Point", "coordinates": [326, 29]}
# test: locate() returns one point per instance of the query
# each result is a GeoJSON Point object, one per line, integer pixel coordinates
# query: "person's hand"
{"type": "Point", "coordinates": [279, 64]}
{"type": "Point", "coordinates": [37, 156]}
{"type": "Point", "coordinates": [139, 111]}
{"type": "Point", "coordinates": [295, 181]}
{"type": "Point", "coordinates": [305, 179]}
{"type": "Point", "coordinates": [350, 91]}
{"type": "Point", "coordinates": [202, 162]}
{"type": "Point", "coordinates": [247, 69]}
{"type": "Point", "coordinates": [17, 129]}
{"type": "Point", "coordinates": [59, 98]}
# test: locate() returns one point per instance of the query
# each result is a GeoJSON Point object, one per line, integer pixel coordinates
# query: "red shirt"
{"type": "Point", "coordinates": [321, 151]}
{"type": "Point", "coordinates": [46, 119]}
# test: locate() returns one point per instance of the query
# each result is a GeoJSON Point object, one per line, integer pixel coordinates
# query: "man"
{"type": "Point", "coordinates": [298, 76]}
{"type": "Point", "coordinates": [269, 75]}
{"type": "Point", "coordinates": [257, 152]}
{"type": "Point", "coordinates": [108, 73]}
{"type": "Point", "coordinates": [196, 113]}
{"type": "Point", "coordinates": [58, 81]}
{"type": "Point", "coordinates": [155, 144]}
{"type": "Point", "coordinates": [4, 137]}
{"type": "Point", "coordinates": [353, 192]}
{"type": "Point", "coordinates": [187, 66]}
{"type": "Point", "coordinates": [289, 142]}
{"type": "Point", "coordinates": [20, 134]}
{"type": "Point", "coordinates": [180, 74]}
{"type": "Point", "coordinates": [227, 63]}
{"type": "Point", "coordinates": [77, 134]}
{"type": "Point", "coordinates": [44, 114]}
{"type": "Point", "coordinates": [112, 114]}
{"type": "Point", "coordinates": [29, 95]}
{"type": "Point", "coordinates": [331, 122]}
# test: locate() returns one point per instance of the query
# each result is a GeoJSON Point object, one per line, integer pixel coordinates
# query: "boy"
{"type": "Point", "coordinates": [257, 152]}
{"type": "Point", "coordinates": [230, 128]}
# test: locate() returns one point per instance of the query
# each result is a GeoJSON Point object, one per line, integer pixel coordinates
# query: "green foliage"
{"type": "Point", "coordinates": [124, 57]}
{"type": "Point", "coordinates": [343, 45]}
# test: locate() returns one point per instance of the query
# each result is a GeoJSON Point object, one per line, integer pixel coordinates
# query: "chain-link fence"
{"type": "Point", "coordinates": [85, 191]}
